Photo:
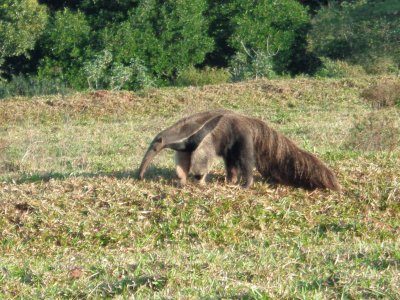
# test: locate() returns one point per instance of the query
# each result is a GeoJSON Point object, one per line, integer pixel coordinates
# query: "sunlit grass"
{"type": "Point", "coordinates": [76, 223]}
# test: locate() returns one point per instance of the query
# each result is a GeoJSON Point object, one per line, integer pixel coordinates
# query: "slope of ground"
{"type": "Point", "coordinates": [75, 222]}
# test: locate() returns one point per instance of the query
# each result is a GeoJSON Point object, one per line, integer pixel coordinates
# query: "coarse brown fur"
{"type": "Point", "coordinates": [245, 143]}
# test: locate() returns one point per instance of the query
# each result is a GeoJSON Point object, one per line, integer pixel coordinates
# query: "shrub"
{"type": "Point", "coordinates": [381, 65]}
{"type": "Point", "coordinates": [119, 75]}
{"type": "Point", "coordinates": [141, 77]}
{"type": "Point", "coordinates": [96, 69]}
{"type": "Point", "coordinates": [102, 72]}
{"type": "Point", "coordinates": [196, 77]}
{"type": "Point", "coordinates": [251, 65]}
{"type": "Point", "coordinates": [379, 131]}
{"type": "Point", "coordinates": [338, 69]}
{"type": "Point", "coordinates": [383, 94]}
{"type": "Point", "coordinates": [32, 86]}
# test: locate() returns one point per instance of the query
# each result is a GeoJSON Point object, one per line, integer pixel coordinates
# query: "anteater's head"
{"type": "Point", "coordinates": [182, 136]}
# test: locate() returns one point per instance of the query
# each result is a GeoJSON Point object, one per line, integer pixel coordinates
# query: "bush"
{"type": "Point", "coordinates": [195, 77]}
{"type": "Point", "coordinates": [96, 69]}
{"type": "Point", "coordinates": [338, 69]}
{"type": "Point", "coordinates": [246, 65]}
{"type": "Point", "coordinates": [31, 86]}
{"type": "Point", "coordinates": [119, 75]}
{"type": "Point", "coordinates": [381, 65]}
{"type": "Point", "coordinates": [379, 131]}
{"type": "Point", "coordinates": [383, 95]}
{"type": "Point", "coordinates": [141, 77]}
{"type": "Point", "coordinates": [102, 72]}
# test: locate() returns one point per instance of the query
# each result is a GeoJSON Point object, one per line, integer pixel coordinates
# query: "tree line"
{"type": "Point", "coordinates": [132, 44]}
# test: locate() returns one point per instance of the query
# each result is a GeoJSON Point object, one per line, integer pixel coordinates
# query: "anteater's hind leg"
{"type": "Point", "coordinates": [182, 165]}
{"type": "Point", "coordinates": [246, 161]}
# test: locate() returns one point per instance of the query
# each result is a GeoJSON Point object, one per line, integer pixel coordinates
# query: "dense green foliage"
{"type": "Point", "coordinates": [165, 40]}
{"type": "Point", "coordinates": [269, 26]}
{"type": "Point", "coordinates": [66, 44]}
{"type": "Point", "coordinates": [268, 33]}
{"type": "Point", "coordinates": [132, 44]}
{"type": "Point", "coordinates": [21, 22]}
{"type": "Point", "coordinates": [360, 32]}
{"type": "Point", "coordinates": [153, 40]}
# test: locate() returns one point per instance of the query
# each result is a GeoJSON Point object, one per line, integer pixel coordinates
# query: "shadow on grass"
{"type": "Point", "coordinates": [131, 285]}
{"type": "Point", "coordinates": [329, 281]}
{"type": "Point", "coordinates": [159, 174]}
{"type": "Point", "coordinates": [337, 228]}
{"type": "Point", "coordinates": [251, 295]}
{"type": "Point", "coordinates": [153, 174]}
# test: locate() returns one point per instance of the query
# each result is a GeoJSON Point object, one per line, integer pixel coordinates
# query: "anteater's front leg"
{"type": "Point", "coordinates": [182, 165]}
{"type": "Point", "coordinates": [232, 168]}
{"type": "Point", "coordinates": [202, 159]}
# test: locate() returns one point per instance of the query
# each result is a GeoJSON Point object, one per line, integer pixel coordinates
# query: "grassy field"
{"type": "Point", "coordinates": [76, 223]}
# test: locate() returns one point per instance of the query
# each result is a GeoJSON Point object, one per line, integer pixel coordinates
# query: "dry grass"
{"type": "Point", "coordinates": [75, 223]}
{"type": "Point", "coordinates": [384, 94]}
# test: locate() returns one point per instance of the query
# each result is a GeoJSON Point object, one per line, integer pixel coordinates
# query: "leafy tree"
{"type": "Point", "coordinates": [55, 5]}
{"type": "Point", "coordinates": [275, 30]}
{"type": "Point", "coordinates": [315, 5]}
{"type": "Point", "coordinates": [158, 39]}
{"type": "Point", "coordinates": [170, 34]}
{"type": "Point", "coordinates": [21, 23]}
{"type": "Point", "coordinates": [67, 45]}
{"type": "Point", "coordinates": [220, 14]}
{"type": "Point", "coordinates": [155, 39]}
{"type": "Point", "coordinates": [358, 31]}
{"type": "Point", "coordinates": [270, 26]}
{"type": "Point", "coordinates": [101, 13]}
{"type": "Point", "coordinates": [120, 39]}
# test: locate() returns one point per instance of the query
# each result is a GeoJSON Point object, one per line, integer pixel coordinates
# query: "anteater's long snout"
{"type": "Point", "coordinates": [153, 150]}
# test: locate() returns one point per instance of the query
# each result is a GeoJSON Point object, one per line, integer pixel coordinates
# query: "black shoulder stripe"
{"type": "Point", "coordinates": [192, 142]}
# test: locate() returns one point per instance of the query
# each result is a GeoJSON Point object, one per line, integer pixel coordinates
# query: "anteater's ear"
{"type": "Point", "coordinates": [158, 143]}
{"type": "Point", "coordinates": [192, 142]}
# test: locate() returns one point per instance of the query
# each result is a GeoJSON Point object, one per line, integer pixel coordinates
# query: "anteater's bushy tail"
{"type": "Point", "coordinates": [279, 159]}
